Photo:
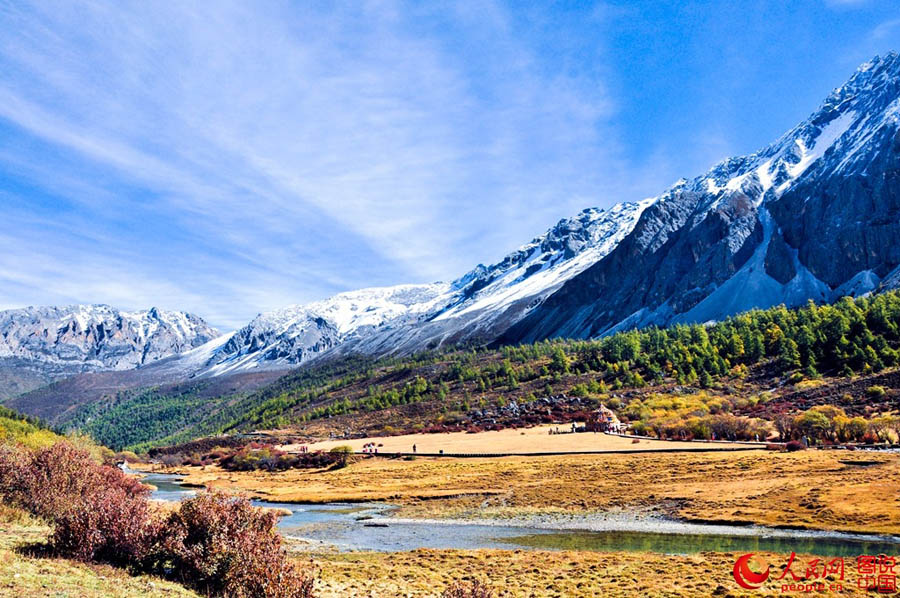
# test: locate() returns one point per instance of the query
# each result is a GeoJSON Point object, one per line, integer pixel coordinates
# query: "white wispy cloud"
{"type": "Point", "coordinates": [231, 157]}
{"type": "Point", "coordinates": [885, 29]}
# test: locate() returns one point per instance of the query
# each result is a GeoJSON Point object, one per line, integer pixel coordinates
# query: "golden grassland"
{"type": "Point", "coordinates": [834, 490]}
{"type": "Point", "coordinates": [536, 439]}
{"type": "Point", "coordinates": [527, 574]}
{"type": "Point", "coordinates": [28, 574]}
{"type": "Point", "coordinates": [414, 574]}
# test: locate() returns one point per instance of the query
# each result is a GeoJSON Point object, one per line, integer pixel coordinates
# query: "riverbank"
{"type": "Point", "coordinates": [824, 490]}
{"type": "Point", "coordinates": [414, 574]}
{"type": "Point", "coordinates": [524, 574]}
{"type": "Point", "coordinates": [424, 573]}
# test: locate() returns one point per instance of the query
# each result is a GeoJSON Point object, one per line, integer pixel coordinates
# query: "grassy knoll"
{"type": "Point", "coordinates": [835, 490]}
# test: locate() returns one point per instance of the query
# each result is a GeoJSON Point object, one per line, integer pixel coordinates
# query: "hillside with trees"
{"type": "Point", "coordinates": [685, 380]}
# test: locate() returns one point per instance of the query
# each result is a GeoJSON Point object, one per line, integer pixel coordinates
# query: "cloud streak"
{"type": "Point", "coordinates": [279, 155]}
{"type": "Point", "coordinates": [234, 157]}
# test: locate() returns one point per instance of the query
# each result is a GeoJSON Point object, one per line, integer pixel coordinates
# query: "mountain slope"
{"type": "Point", "coordinates": [489, 299]}
{"type": "Point", "coordinates": [852, 343]}
{"type": "Point", "coordinates": [815, 215]}
{"type": "Point", "coordinates": [401, 319]}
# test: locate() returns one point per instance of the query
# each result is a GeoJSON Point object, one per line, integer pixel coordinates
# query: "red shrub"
{"type": "Point", "coordinates": [869, 438]}
{"type": "Point", "coordinates": [224, 545]}
{"type": "Point", "coordinates": [220, 544]}
{"type": "Point", "coordinates": [98, 512]}
{"type": "Point", "coordinates": [110, 525]}
{"type": "Point", "coordinates": [54, 481]}
{"type": "Point", "coordinates": [794, 445]}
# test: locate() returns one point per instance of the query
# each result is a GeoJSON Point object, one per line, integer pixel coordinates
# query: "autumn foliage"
{"type": "Point", "coordinates": [220, 544]}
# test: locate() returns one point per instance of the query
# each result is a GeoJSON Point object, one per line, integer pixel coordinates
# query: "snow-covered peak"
{"type": "Point", "coordinates": [298, 333]}
{"type": "Point", "coordinates": [851, 115]}
{"type": "Point", "coordinates": [547, 261]}
{"type": "Point", "coordinates": [353, 310]}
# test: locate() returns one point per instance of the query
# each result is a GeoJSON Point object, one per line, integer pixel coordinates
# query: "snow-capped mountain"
{"type": "Point", "coordinates": [815, 215]}
{"type": "Point", "coordinates": [406, 318]}
{"type": "Point", "coordinates": [486, 301]}
{"type": "Point", "coordinates": [296, 334]}
{"type": "Point", "coordinates": [60, 341]}
{"type": "Point", "coordinates": [544, 263]}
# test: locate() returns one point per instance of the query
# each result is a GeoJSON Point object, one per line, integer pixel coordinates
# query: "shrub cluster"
{"type": "Point", "coordinates": [98, 512]}
{"type": "Point", "coordinates": [256, 456]}
{"type": "Point", "coordinates": [270, 459]}
{"type": "Point", "coordinates": [829, 424]}
{"type": "Point", "coordinates": [228, 547]}
{"type": "Point", "coordinates": [220, 544]}
{"type": "Point", "coordinates": [701, 416]}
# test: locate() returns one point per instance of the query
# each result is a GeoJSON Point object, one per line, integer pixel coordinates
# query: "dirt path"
{"type": "Point", "coordinates": [523, 441]}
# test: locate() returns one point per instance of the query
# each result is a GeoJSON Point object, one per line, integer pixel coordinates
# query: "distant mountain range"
{"type": "Point", "coordinates": [42, 344]}
{"type": "Point", "coordinates": [815, 215]}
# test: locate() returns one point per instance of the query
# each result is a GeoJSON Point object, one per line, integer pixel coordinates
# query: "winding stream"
{"type": "Point", "coordinates": [370, 526]}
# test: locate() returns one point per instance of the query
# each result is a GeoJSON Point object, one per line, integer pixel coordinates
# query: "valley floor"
{"type": "Point", "coordinates": [416, 574]}
{"type": "Point", "coordinates": [838, 490]}
{"type": "Point", "coordinates": [853, 491]}
{"type": "Point", "coordinates": [536, 574]}
{"type": "Point", "coordinates": [536, 439]}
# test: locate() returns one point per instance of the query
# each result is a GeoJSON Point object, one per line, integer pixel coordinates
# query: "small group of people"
{"type": "Point", "coordinates": [556, 430]}
{"type": "Point", "coordinates": [371, 448]}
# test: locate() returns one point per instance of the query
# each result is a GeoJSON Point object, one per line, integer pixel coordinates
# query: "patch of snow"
{"type": "Point", "coordinates": [829, 135]}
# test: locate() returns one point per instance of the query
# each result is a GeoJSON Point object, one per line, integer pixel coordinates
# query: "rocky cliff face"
{"type": "Point", "coordinates": [815, 215]}
{"type": "Point", "coordinates": [59, 341]}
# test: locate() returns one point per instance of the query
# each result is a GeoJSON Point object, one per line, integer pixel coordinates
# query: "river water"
{"type": "Point", "coordinates": [370, 526]}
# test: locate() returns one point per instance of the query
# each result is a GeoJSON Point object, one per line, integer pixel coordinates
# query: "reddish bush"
{"type": "Point", "coordinates": [794, 445]}
{"type": "Point", "coordinates": [109, 525]}
{"type": "Point", "coordinates": [224, 545]}
{"type": "Point", "coordinates": [61, 478]}
{"type": "Point", "coordinates": [98, 512]}
{"type": "Point", "coordinates": [869, 438]}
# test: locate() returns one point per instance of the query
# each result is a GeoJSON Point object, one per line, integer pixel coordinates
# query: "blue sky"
{"type": "Point", "coordinates": [231, 158]}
